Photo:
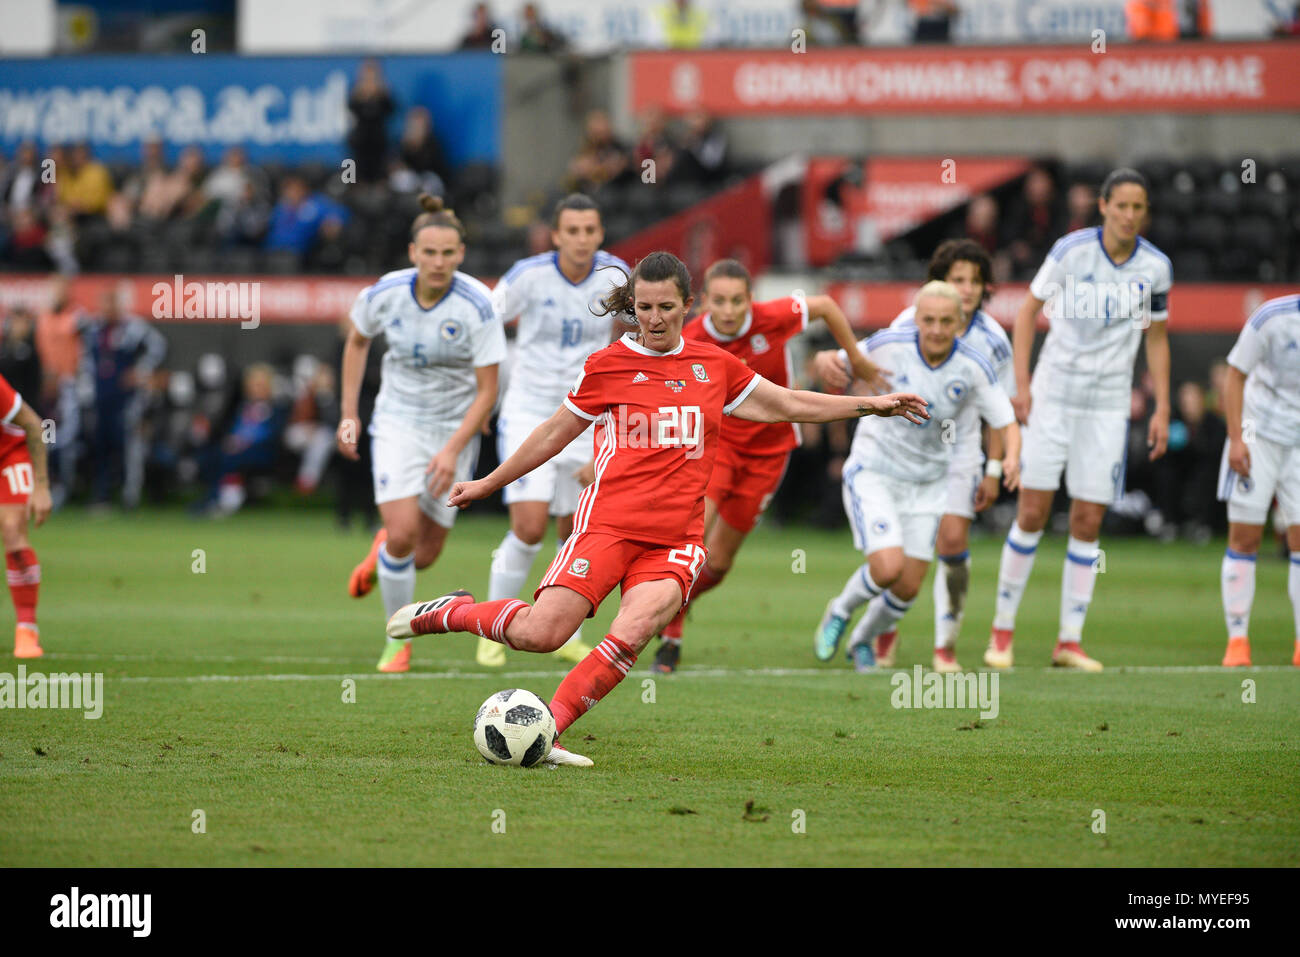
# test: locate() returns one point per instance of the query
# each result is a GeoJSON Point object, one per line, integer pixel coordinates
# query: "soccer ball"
{"type": "Point", "coordinates": [514, 727]}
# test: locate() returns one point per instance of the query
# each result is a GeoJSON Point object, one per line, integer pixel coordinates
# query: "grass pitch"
{"type": "Point", "coordinates": [225, 694]}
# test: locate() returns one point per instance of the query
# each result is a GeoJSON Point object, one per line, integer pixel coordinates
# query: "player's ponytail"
{"type": "Point", "coordinates": [436, 215]}
{"type": "Point", "coordinates": [656, 267]}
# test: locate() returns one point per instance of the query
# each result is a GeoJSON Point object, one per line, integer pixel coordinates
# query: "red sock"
{"type": "Point", "coordinates": [594, 677]}
{"type": "Point", "coordinates": [489, 619]}
{"type": "Point", "coordinates": [705, 580]}
{"type": "Point", "coordinates": [24, 583]}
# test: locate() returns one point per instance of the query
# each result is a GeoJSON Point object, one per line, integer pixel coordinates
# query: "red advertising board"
{"type": "Point", "coordinates": [849, 206]}
{"type": "Point", "coordinates": [1126, 78]}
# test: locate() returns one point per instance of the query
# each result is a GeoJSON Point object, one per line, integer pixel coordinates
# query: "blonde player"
{"type": "Point", "coordinates": [972, 481]}
{"type": "Point", "coordinates": [438, 387]}
{"type": "Point", "coordinates": [1261, 458]}
{"type": "Point", "coordinates": [1108, 289]}
{"type": "Point", "coordinates": [555, 296]}
{"type": "Point", "coordinates": [896, 477]}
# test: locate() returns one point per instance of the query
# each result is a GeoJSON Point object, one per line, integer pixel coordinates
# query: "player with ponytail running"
{"type": "Point", "coordinates": [752, 456]}
{"type": "Point", "coordinates": [658, 401]}
{"type": "Point", "coordinates": [438, 387]}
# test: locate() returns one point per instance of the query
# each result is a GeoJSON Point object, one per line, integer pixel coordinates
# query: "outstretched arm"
{"type": "Point", "coordinates": [544, 442]}
{"type": "Point", "coordinates": [769, 402]}
{"type": "Point", "coordinates": [828, 310]}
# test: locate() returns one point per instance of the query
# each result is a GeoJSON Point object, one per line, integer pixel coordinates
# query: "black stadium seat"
{"type": "Point", "coordinates": [1206, 232]}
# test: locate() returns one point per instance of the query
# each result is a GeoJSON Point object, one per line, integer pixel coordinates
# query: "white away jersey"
{"type": "Point", "coordinates": [921, 453]}
{"type": "Point", "coordinates": [1268, 351]}
{"type": "Point", "coordinates": [989, 339]}
{"type": "Point", "coordinates": [558, 327]}
{"type": "Point", "coordinates": [1098, 311]}
{"type": "Point", "coordinates": [428, 371]}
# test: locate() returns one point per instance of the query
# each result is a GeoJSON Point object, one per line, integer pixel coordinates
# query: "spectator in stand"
{"type": "Point", "coordinates": [226, 186]}
{"type": "Point", "coordinates": [1080, 208]}
{"type": "Point", "coordinates": [61, 240]}
{"type": "Point", "coordinates": [1151, 19]}
{"type": "Point", "coordinates": [1187, 486]}
{"type": "Point", "coordinates": [933, 20]}
{"type": "Point", "coordinates": [84, 186]}
{"type": "Point", "coordinates": [684, 25]}
{"type": "Point", "coordinates": [250, 445]}
{"type": "Point", "coordinates": [1287, 24]}
{"type": "Point", "coordinates": [702, 156]}
{"type": "Point", "coordinates": [122, 353]}
{"type": "Point", "coordinates": [1218, 383]}
{"type": "Point", "coordinates": [176, 193]}
{"type": "Point", "coordinates": [982, 222]}
{"type": "Point", "coordinates": [654, 145]}
{"type": "Point", "coordinates": [20, 184]}
{"type": "Point", "coordinates": [313, 420]}
{"type": "Point", "coordinates": [297, 217]}
{"type": "Point", "coordinates": [19, 364]}
{"type": "Point", "coordinates": [823, 27]}
{"type": "Point", "coordinates": [26, 245]}
{"type": "Point", "coordinates": [58, 345]}
{"type": "Point", "coordinates": [537, 37]}
{"type": "Point", "coordinates": [1196, 20]}
{"type": "Point", "coordinates": [421, 152]}
{"type": "Point", "coordinates": [370, 104]}
{"type": "Point", "coordinates": [152, 169]}
{"type": "Point", "coordinates": [601, 158]}
{"type": "Point", "coordinates": [1030, 224]}
{"type": "Point", "coordinates": [244, 222]}
{"type": "Point", "coordinates": [481, 29]}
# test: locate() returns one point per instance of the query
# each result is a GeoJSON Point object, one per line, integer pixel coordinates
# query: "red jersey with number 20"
{"type": "Point", "coordinates": [657, 418]}
{"type": "Point", "coordinates": [762, 344]}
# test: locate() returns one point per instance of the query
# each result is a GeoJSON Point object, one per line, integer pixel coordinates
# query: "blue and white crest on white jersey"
{"type": "Point", "coordinates": [879, 526]}
{"type": "Point", "coordinates": [451, 330]}
{"type": "Point", "coordinates": [955, 389]}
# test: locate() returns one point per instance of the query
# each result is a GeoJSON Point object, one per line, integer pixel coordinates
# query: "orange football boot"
{"type": "Point", "coordinates": [27, 642]}
{"type": "Point", "coordinates": [1238, 653]}
{"type": "Point", "coordinates": [366, 574]}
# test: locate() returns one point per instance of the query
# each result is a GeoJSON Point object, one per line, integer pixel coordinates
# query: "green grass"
{"type": "Point", "coordinates": [224, 693]}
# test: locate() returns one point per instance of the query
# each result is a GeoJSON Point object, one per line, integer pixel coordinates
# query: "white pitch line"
{"type": "Point", "coordinates": [684, 673]}
{"type": "Point", "coordinates": [269, 659]}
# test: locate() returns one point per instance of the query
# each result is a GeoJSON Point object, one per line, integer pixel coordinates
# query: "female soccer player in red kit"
{"type": "Point", "coordinates": [24, 494]}
{"type": "Point", "coordinates": [752, 456]}
{"type": "Point", "coordinates": [657, 400]}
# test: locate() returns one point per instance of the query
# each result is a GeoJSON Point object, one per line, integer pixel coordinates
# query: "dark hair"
{"type": "Point", "coordinates": [575, 201]}
{"type": "Point", "coordinates": [1124, 174]}
{"type": "Point", "coordinates": [730, 269]}
{"type": "Point", "coordinates": [435, 215]}
{"type": "Point", "coordinates": [961, 250]}
{"type": "Point", "coordinates": [656, 267]}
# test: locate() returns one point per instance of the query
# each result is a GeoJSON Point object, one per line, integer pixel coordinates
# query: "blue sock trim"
{"type": "Point", "coordinates": [1080, 559]}
{"type": "Point", "coordinates": [872, 590]}
{"type": "Point", "coordinates": [954, 559]}
{"type": "Point", "coordinates": [1022, 549]}
{"type": "Point", "coordinates": [1295, 558]}
{"type": "Point", "coordinates": [893, 604]}
{"type": "Point", "coordinates": [1241, 556]}
{"type": "Point", "coordinates": [395, 566]}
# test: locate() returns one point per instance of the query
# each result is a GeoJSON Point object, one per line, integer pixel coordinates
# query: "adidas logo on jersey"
{"type": "Point", "coordinates": [640, 377]}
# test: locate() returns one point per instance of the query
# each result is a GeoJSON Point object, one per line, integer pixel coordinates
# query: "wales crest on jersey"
{"type": "Point", "coordinates": [701, 373]}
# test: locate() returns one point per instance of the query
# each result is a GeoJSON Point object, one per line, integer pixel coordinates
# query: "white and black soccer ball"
{"type": "Point", "coordinates": [514, 727]}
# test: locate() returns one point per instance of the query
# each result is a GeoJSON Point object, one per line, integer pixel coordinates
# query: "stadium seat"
{"type": "Point", "coordinates": [1192, 265]}
{"type": "Point", "coordinates": [1174, 202]}
{"type": "Point", "coordinates": [281, 262]}
{"type": "Point", "coordinates": [1206, 232]}
{"type": "Point", "coordinates": [1222, 202]}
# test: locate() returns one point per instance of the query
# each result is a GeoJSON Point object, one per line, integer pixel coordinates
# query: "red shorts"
{"type": "Point", "coordinates": [16, 477]}
{"type": "Point", "coordinates": [592, 563]}
{"type": "Point", "coordinates": [742, 485]}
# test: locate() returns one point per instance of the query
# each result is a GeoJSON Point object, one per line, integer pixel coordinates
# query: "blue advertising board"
{"type": "Point", "coordinates": [283, 109]}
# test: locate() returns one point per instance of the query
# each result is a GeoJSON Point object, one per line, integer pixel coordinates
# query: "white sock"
{"type": "Point", "coordinates": [951, 582]}
{"type": "Point", "coordinates": [577, 635]}
{"type": "Point", "coordinates": [882, 615]}
{"type": "Point", "coordinates": [1293, 589]}
{"type": "Point", "coordinates": [1013, 573]}
{"type": "Point", "coordinates": [1237, 582]}
{"type": "Point", "coordinates": [1077, 583]}
{"type": "Point", "coordinates": [510, 567]}
{"type": "Point", "coordinates": [396, 580]}
{"type": "Point", "coordinates": [858, 590]}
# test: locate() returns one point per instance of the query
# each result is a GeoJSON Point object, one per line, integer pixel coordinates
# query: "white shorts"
{"type": "Point", "coordinates": [1274, 470]}
{"type": "Point", "coordinates": [399, 456]}
{"type": "Point", "coordinates": [1091, 447]}
{"type": "Point", "coordinates": [552, 481]}
{"type": "Point", "coordinates": [886, 512]}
